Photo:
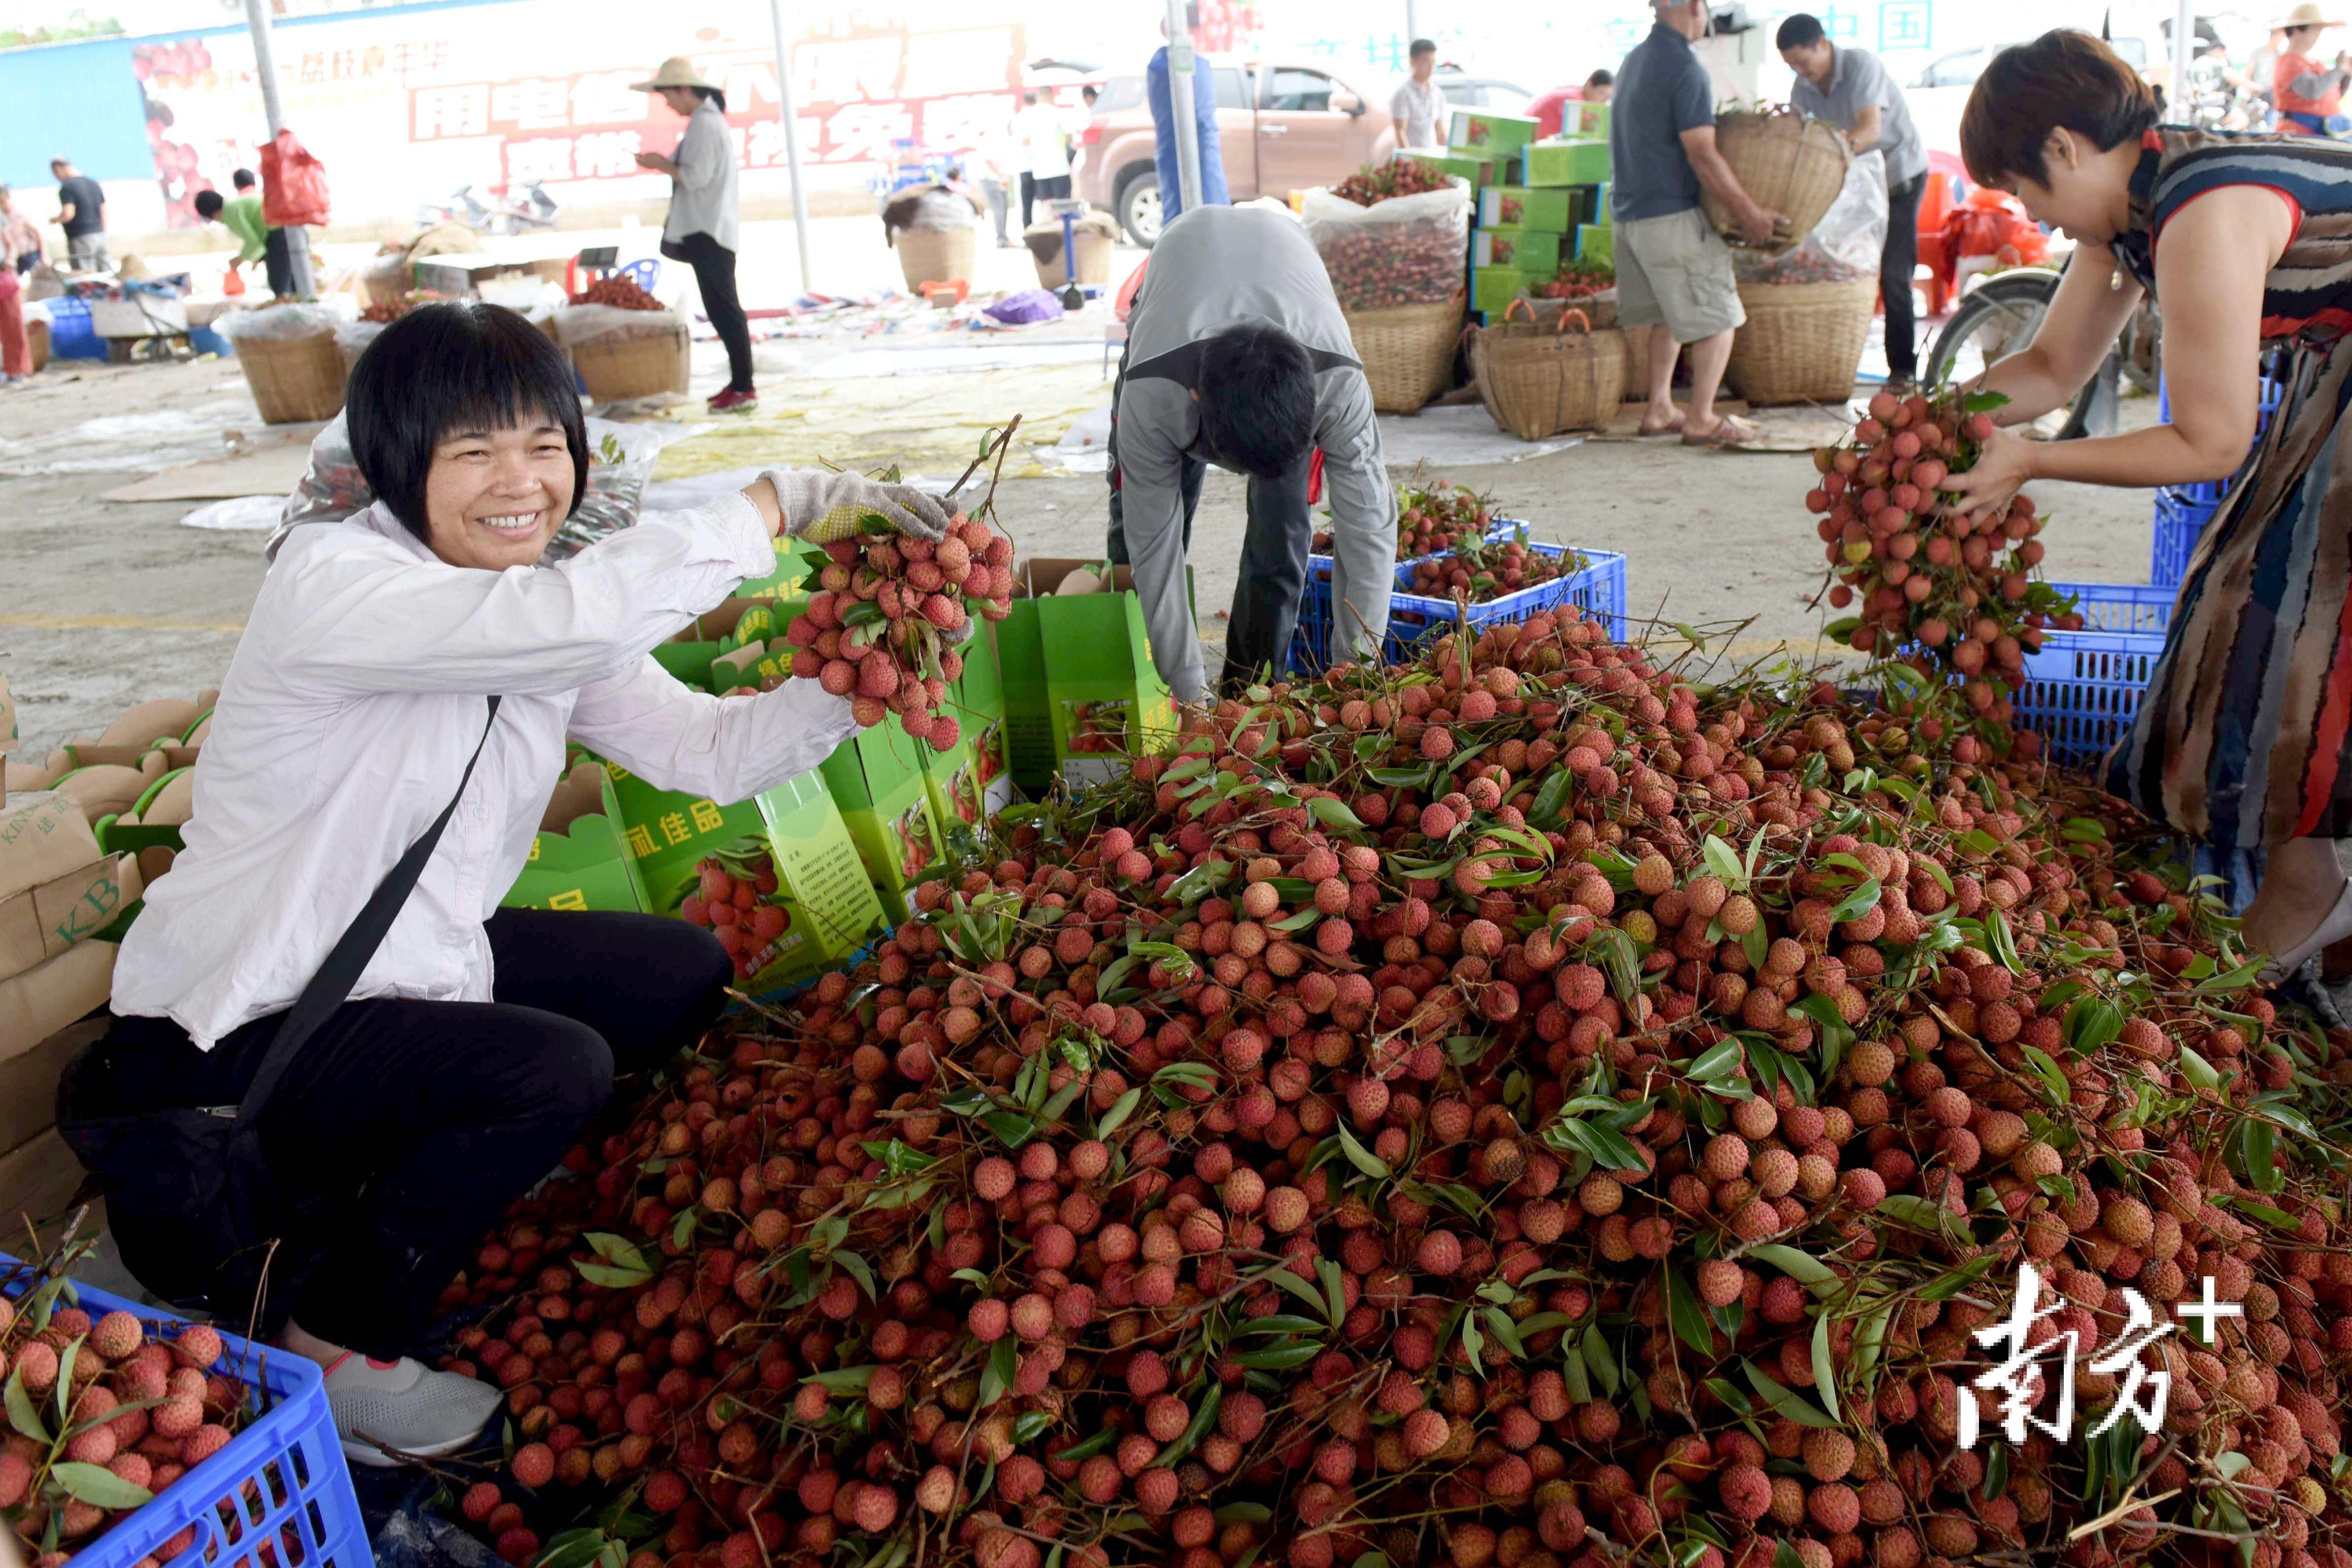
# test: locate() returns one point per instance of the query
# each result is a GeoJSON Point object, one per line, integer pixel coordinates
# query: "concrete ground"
{"type": "Point", "coordinates": [109, 604]}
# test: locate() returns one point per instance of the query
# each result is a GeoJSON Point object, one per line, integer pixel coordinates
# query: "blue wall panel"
{"type": "Point", "coordinates": [72, 100]}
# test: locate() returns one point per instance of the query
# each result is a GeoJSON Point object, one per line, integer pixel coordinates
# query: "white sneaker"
{"type": "Point", "coordinates": [406, 1407]}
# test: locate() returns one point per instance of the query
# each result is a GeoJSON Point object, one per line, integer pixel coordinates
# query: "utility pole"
{"type": "Point", "coordinates": [265, 66]}
{"type": "Point", "coordinates": [1181, 104]}
{"type": "Point", "coordinates": [791, 136]}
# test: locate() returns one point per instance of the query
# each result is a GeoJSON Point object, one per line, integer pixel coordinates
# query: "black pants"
{"type": "Point", "coordinates": [1035, 189]}
{"type": "Point", "coordinates": [714, 274]}
{"type": "Point", "coordinates": [1897, 265]}
{"type": "Point", "coordinates": [421, 1121]}
{"type": "Point", "coordinates": [1274, 544]}
{"type": "Point", "coordinates": [276, 264]}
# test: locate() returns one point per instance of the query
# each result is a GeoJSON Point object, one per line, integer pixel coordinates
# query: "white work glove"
{"type": "Point", "coordinates": [821, 506]}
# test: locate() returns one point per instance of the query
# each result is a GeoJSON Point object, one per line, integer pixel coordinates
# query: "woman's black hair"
{"type": "Point", "coordinates": [713, 95]}
{"type": "Point", "coordinates": [1257, 400]}
{"type": "Point", "coordinates": [448, 368]}
{"type": "Point", "coordinates": [2062, 79]}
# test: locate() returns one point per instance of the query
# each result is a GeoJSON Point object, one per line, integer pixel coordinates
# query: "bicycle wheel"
{"type": "Point", "coordinates": [1998, 319]}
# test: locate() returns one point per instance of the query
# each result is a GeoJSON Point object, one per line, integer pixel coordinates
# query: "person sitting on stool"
{"type": "Point", "coordinates": [1237, 355]}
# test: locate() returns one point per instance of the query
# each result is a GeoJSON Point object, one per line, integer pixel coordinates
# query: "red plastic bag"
{"type": "Point", "coordinates": [293, 184]}
{"type": "Point", "coordinates": [1991, 223]}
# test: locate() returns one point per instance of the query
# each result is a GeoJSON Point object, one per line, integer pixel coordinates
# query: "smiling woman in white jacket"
{"type": "Point", "coordinates": [478, 1040]}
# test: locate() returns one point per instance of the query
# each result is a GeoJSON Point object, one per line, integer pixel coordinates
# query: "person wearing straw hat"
{"type": "Point", "coordinates": [2310, 100]}
{"type": "Point", "coordinates": [701, 228]}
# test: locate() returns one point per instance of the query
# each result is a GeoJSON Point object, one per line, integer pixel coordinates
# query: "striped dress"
{"type": "Point", "coordinates": [2244, 736]}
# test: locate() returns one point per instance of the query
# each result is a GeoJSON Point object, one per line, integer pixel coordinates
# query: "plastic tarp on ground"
{"type": "Point", "coordinates": [928, 426]}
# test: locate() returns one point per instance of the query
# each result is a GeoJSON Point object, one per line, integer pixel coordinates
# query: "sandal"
{"type": "Point", "coordinates": [1727, 432]}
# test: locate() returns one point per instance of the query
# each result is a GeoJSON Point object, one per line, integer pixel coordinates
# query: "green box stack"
{"type": "Point", "coordinates": [1567, 161]}
{"type": "Point", "coordinates": [1597, 242]}
{"type": "Point", "coordinates": [1528, 250]}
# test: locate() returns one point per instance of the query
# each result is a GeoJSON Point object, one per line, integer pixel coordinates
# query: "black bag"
{"type": "Point", "coordinates": [188, 1192]}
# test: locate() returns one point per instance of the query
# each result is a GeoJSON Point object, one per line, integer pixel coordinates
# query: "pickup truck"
{"type": "Point", "coordinates": [1282, 127]}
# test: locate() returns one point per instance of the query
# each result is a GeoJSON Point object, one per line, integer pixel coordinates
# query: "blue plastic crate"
{"type": "Point", "coordinates": [1318, 567]}
{"type": "Point", "coordinates": [2178, 523]}
{"type": "Point", "coordinates": [282, 1482]}
{"type": "Point", "coordinates": [1598, 589]}
{"type": "Point", "coordinates": [2083, 689]}
{"type": "Point", "coordinates": [2122, 607]}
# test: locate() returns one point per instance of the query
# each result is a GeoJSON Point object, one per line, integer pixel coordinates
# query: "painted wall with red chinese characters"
{"type": "Point", "coordinates": [407, 108]}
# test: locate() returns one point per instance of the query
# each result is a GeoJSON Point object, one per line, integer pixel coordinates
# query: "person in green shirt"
{"type": "Point", "coordinates": [241, 216]}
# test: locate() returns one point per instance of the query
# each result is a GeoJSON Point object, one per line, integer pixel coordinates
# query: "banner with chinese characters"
{"type": "Point", "coordinates": [405, 108]}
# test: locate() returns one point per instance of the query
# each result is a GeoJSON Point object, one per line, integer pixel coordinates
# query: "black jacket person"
{"type": "Point", "coordinates": [1237, 355]}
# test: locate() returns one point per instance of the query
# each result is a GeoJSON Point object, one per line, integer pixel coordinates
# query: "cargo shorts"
{"type": "Point", "coordinates": [1676, 270]}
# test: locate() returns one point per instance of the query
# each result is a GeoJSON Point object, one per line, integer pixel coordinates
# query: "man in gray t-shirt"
{"type": "Point", "coordinates": [1674, 284]}
{"type": "Point", "coordinates": [1852, 90]}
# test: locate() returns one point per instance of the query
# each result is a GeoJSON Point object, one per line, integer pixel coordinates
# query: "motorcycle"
{"type": "Point", "coordinates": [492, 210]}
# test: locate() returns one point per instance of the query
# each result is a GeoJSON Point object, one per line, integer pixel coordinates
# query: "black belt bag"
{"type": "Point", "coordinates": [188, 1190]}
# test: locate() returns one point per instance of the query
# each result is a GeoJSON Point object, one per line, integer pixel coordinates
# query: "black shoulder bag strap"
{"type": "Point", "coordinates": [332, 985]}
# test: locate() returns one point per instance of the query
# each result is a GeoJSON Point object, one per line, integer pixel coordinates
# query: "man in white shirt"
{"type": "Point", "coordinates": [1042, 130]}
{"type": "Point", "coordinates": [1418, 107]}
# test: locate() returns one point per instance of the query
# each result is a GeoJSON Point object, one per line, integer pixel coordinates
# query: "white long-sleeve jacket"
{"type": "Point", "coordinates": [353, 700]}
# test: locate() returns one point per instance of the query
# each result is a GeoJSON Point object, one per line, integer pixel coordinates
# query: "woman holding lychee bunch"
{"type": "Point", "coordinates": [387, 738]}
{"type": "Point", "coordinates": [2243, 738]}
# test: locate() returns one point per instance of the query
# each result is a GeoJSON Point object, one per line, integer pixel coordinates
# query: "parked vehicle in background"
{"type": "Point", "coordinates": [1282, 127]}
{"type": "Point", "coordinates": [1939, 94]}
{"type": "Point", "coordinates": [1465, 92]}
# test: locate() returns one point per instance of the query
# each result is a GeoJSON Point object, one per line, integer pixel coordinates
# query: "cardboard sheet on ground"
{"type": "Point", "coordinates": [273, 469]}
{"type": "Point", "coordinates": [1800, 427]}
{"type": "Point", "coordinates": [930, 425]}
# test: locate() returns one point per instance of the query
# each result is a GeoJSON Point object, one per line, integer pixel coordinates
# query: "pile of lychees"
{"type": "Point", "coordinates": [880, 627]}
{"type": "Point", "coordinates": [1517, 1109]}
{"type": "Point", "coordinates": [102, 1416]}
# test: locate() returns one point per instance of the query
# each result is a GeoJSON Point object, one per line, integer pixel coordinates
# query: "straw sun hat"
{"type": "Point", "coordinates": [2309, 14]}
{"type": "Point", "coordinates": [678, 71]}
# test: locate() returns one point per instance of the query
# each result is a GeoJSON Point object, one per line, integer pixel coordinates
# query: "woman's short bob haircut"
{"type": "Point", "coordinates": [2062, 79]}
{"type": "Point", "coordinates": [445, 369]}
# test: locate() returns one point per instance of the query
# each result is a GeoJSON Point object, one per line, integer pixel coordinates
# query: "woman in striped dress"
{"type": "Point", "coordinates": [2244, 740]}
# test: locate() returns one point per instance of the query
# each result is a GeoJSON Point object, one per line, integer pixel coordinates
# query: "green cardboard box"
{"type": "Point", "coordinates": [1107, 698]}
{"type": "Point", "coordinates": [1488, 135]}
{"type": "Point", "coordinates": [1494, 288]}
{"type": "Point", "coordinates": [795, 563]}
{"type": "Point", "coordinates": [1525, 208]}
{"type": "Point", "coordinates": [876, 779]}
{"type": "Point", "coordinates": [1478, 170]}
{"type": "Point", "coordinates": [1597, 242]}
{"type": "Point", "coordinates": [971, 782]}
{"type": "Point", "coordinates": [790, 837]}
{"type": "Point", "coordinates": [1567, 161]}
{"type": "Point", "coordinates": [1579, 118]}
{"type": "Point", "coordinates": [725, 628]}
{"type": "Point", "coordinates": [1587, 204]}
{"type": "Point", "coordinates": [1028, 713]}
{"type": "Point", "coordinates": [580, 858]}
{"type": "Point", "coordinates": [1537, 253]}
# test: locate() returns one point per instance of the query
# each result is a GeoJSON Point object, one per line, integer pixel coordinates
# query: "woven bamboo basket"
{"type": "Point", "coordinates": [1599, 308]}
{"type": "Point", "coordinates": [636, 361]}
{"type": "Point", "coordinates": [1803, 343]}
{"type": "Point", "coordinates": [935, 256]}
{"type": "Point", "coordinates": [1790, 161]}
{"type": "Point", "coordinates": [294, 381]}
{"type": "Point", "coordinates": [1407, 353]}
{"type": "Point", "coordinates": [1537, 380]}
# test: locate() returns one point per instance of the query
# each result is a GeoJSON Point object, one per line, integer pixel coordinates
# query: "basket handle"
{"type": "Point", "coordinates": [1583, 321]}
{"type": "Point", "coordinates": [1514, 304]}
